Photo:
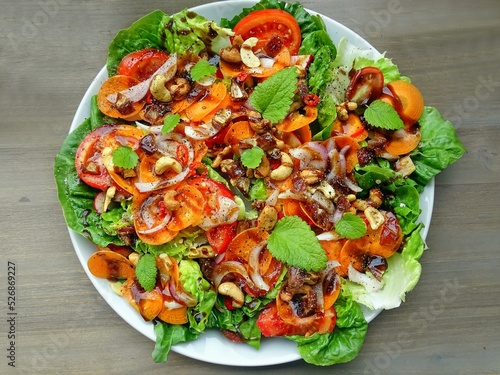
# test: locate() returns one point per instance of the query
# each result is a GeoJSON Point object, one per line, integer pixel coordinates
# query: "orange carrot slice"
{"type": "Point", "coordinates": [198, 110]}
{"type": "Point", "coordinates": [404, 141]}
{"type": "Point", "coordinates": [410, 99]}
{"type": "Point", "coordinates": [192, 204]}
{"type": "Point", "coordinates": [240, 246]}
{"type": "Point", "coordinates": [174, 316]}
{"type": "Point", "coordinates": [110, 265]}
{"type": "Point", "coordinates": [114, 85]}
{"type": "Point", "coordinates": [352, 127]}
{"type": "Point", "coordinates": [297, 120]}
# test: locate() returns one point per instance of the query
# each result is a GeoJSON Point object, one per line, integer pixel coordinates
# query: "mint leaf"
{"type": "Point", "coordinates": [351, 226]}
{"type": "Point", "coordinates": [125, 157]}
{"type": "Point", "coordinates": [252, 157]}
{"type": "Point", "coordinates": [382, 115]}
{"type": "Point", "coordinates": [293, 242]}
{"type": "Point", "coordinates": [202, 69]}
{"type": "Point", "coordinates": [170, 123]}
{"type": "Point", "coordinates": [273, 97]}
{"type": "Point", "coordinates": [146, 271]}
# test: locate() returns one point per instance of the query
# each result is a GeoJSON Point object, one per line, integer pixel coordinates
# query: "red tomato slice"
{"type": "Point", "coordinates": [142, 64]}
{"type": "Point", "coordinates": [271, 325]}
{"type": "Point", "coordinates": [219, 237]}
{"type": "Point", "coordinates": [88, 160]}
{"type": "Point", "coordinates": [266, 23]}
{"type": "Point", "coordinates": [366, 85]}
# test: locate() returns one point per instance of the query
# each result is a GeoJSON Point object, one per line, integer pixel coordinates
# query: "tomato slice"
{"type": "Point", "coordinates": [366, 85]}
{"type": "Point", "coordinates": [142, 64]}
{"type": "Point", "coordinates": [219, 237]}
{"type": "Point", "coordinates": [271, 324]}
{"type": "Point", "coordinates": [88, 161]}
{"type": "Point", "coordinates": [268, 23]}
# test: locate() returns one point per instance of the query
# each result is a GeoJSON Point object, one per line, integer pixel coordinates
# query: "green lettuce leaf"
{"type": "Point", "coordinates": [344, 343]}
{"type": "Point", "coordinates": [438, 148]}
{"type": "Point", "coordinates": [402, 274]}
{"type": "Point", "coordinates": [168, 335]}
{"type": "Point", "coordinates": [76, 198]}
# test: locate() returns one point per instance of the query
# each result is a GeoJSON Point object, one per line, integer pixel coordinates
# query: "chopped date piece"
{"type": "Point", "coordinates": [273, 46]}
{"type": "Point", "coordinates": [148, 144]}
{"type": "Point", "coordinates": [365, 155]}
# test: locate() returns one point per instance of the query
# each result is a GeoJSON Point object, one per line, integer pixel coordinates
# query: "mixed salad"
{"type": "Point", "coordinates": [252, 176]}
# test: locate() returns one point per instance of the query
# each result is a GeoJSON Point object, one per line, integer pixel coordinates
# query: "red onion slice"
{"type": "Point", "coordinates": [137, 92]}
{"type": "Point", "coordinates": [201, 132]}
{"type": "Point", "coordinates": [226, 213]}
{"type": "Point", "coordinates": [253, 263]}
{"type": "Point", "coordinates": [227, 267]}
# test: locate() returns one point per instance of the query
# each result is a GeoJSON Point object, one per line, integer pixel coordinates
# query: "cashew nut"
{"type": "Point", "coordinates": [374, 217]}
{"type": "Point", "coordinates": [166, 162]}
{"type": "Point", "coordinates": [159, 90]}
{"type": "Point", "coordinates": [205, 251]}
{"type": "Point", "coordinates": [284, 170]}
{"type": "Point", "coordinates": [232, 290]}
{"type": "Point", "coordinates": [247, 55]}
{"type": "Point", "coordinates": [110, 193]}
{"type": "Point", "coordinates": [134, 258]}
{"type": "Point", "coordinates": [171, 203]}
{"type": "Point", "coordinates": [267, 218]}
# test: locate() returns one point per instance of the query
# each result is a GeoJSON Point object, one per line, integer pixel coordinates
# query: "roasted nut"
{"type": "Point", "coordinates": [230, 55]}
{"type": "Point", "coordinates": [171, 203]}
{"type": "Point", "coordinates": [263, 169]}
{"type": "Point", "coordinates": [205, 251]}
{"type": "Point", "coordinates": [221, 118]}
{"type": "Point", "coordinates": [374, 217]}
{"type": "Point", "coordinates": [376, 198]}
{"type": "Point", "coordinates": [327, 189]}
{"type": "Point", "coordinates": [134, 258]}
{"type": "Point", "coordinates": [267, 218]}
{"type": "Point", "coordinates": [179, 88]}
{"type": "Point", "coordinates": [110, 193]}
{"type": "Point", "coordinates": [284, 170]}
{"type": "Point", "coordinates": [247, 55]}
{"type": "Point", "coordinates": [405, 166]}
{"type": "Point", "coordinates": [159, 89]}
{"type": "Point", "coordinates": [311, 176]}
{"type": "Point", "coordinates": [232, 290]}
{"type": "Point", "coordinates": [166, 162]}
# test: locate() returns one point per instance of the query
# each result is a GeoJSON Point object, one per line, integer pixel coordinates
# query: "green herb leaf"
{"type": "Point", "coordinates": [382, 115]}
{"type": "Point", "coordinates": [351, 226]}
{"type": "Point", "coordinates": [273, 97]}
{"type": "Point", "coordinates": [146, 271]}
{"type": "Point", "coordinates": [294, 243]}
{"type": "Point", "coordinates": [252, 157]}
{"type": "Point", "coordinates": [125, 157]}
{"type": "Point", "coordinates": [170, 123]}
{"type": "Point", "coordinates": [201, 70]}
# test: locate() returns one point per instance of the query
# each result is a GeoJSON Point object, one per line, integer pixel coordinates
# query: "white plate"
{"type": "Point", "coordinates": [212, 346]}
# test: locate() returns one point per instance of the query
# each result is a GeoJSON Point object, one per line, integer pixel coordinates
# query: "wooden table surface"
{"type": "Point", "coordinates": [50, 52]}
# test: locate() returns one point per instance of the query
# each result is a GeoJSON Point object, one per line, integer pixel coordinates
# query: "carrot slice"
{"type": "Point", "coordinates": [297, 120]}
{"type": "Point", "coordinates": [351, 156]}
{"type": "Point", "coordinates": [238, 131]}
{"type": "Point", "coordinates": [192, 204]}
{"type": "Point", "coordinates": [230, 70]}
{"type": "Point", "coordinates": [404, 141]}
{"type": "Point", "coordinates": [174, 316]}
{"type": "Point", "coordinates": [352, 127]}
{"type": "Point", "coordinates": [281, 61]}
{"type": "Point", "coordinates": [111, 265]}
{"type": "Point", "coordinates": [147, 303]}
{"type": "Point", "coordinates": [114, 85]}
{"type": "Point", "coordinates": [410, 99]}
{"type": "Point", "coordinates": [197, 111]}
{"type": "Point", "coordinates": [240, 246]}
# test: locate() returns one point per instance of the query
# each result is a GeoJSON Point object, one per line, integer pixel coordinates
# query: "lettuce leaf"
{"type": "Point", "coordinates": [402, 274]}
{"type": "Point", "coordinates": [183, 32]}
{"type": "Point", "coordinates": [168, 335]}
{"type": "Point", "coordinates": [438, 148]}
{"type": "Point", "coordinates": [344, 343]}
{"type": "Point", "coordinates": [76, 198]}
